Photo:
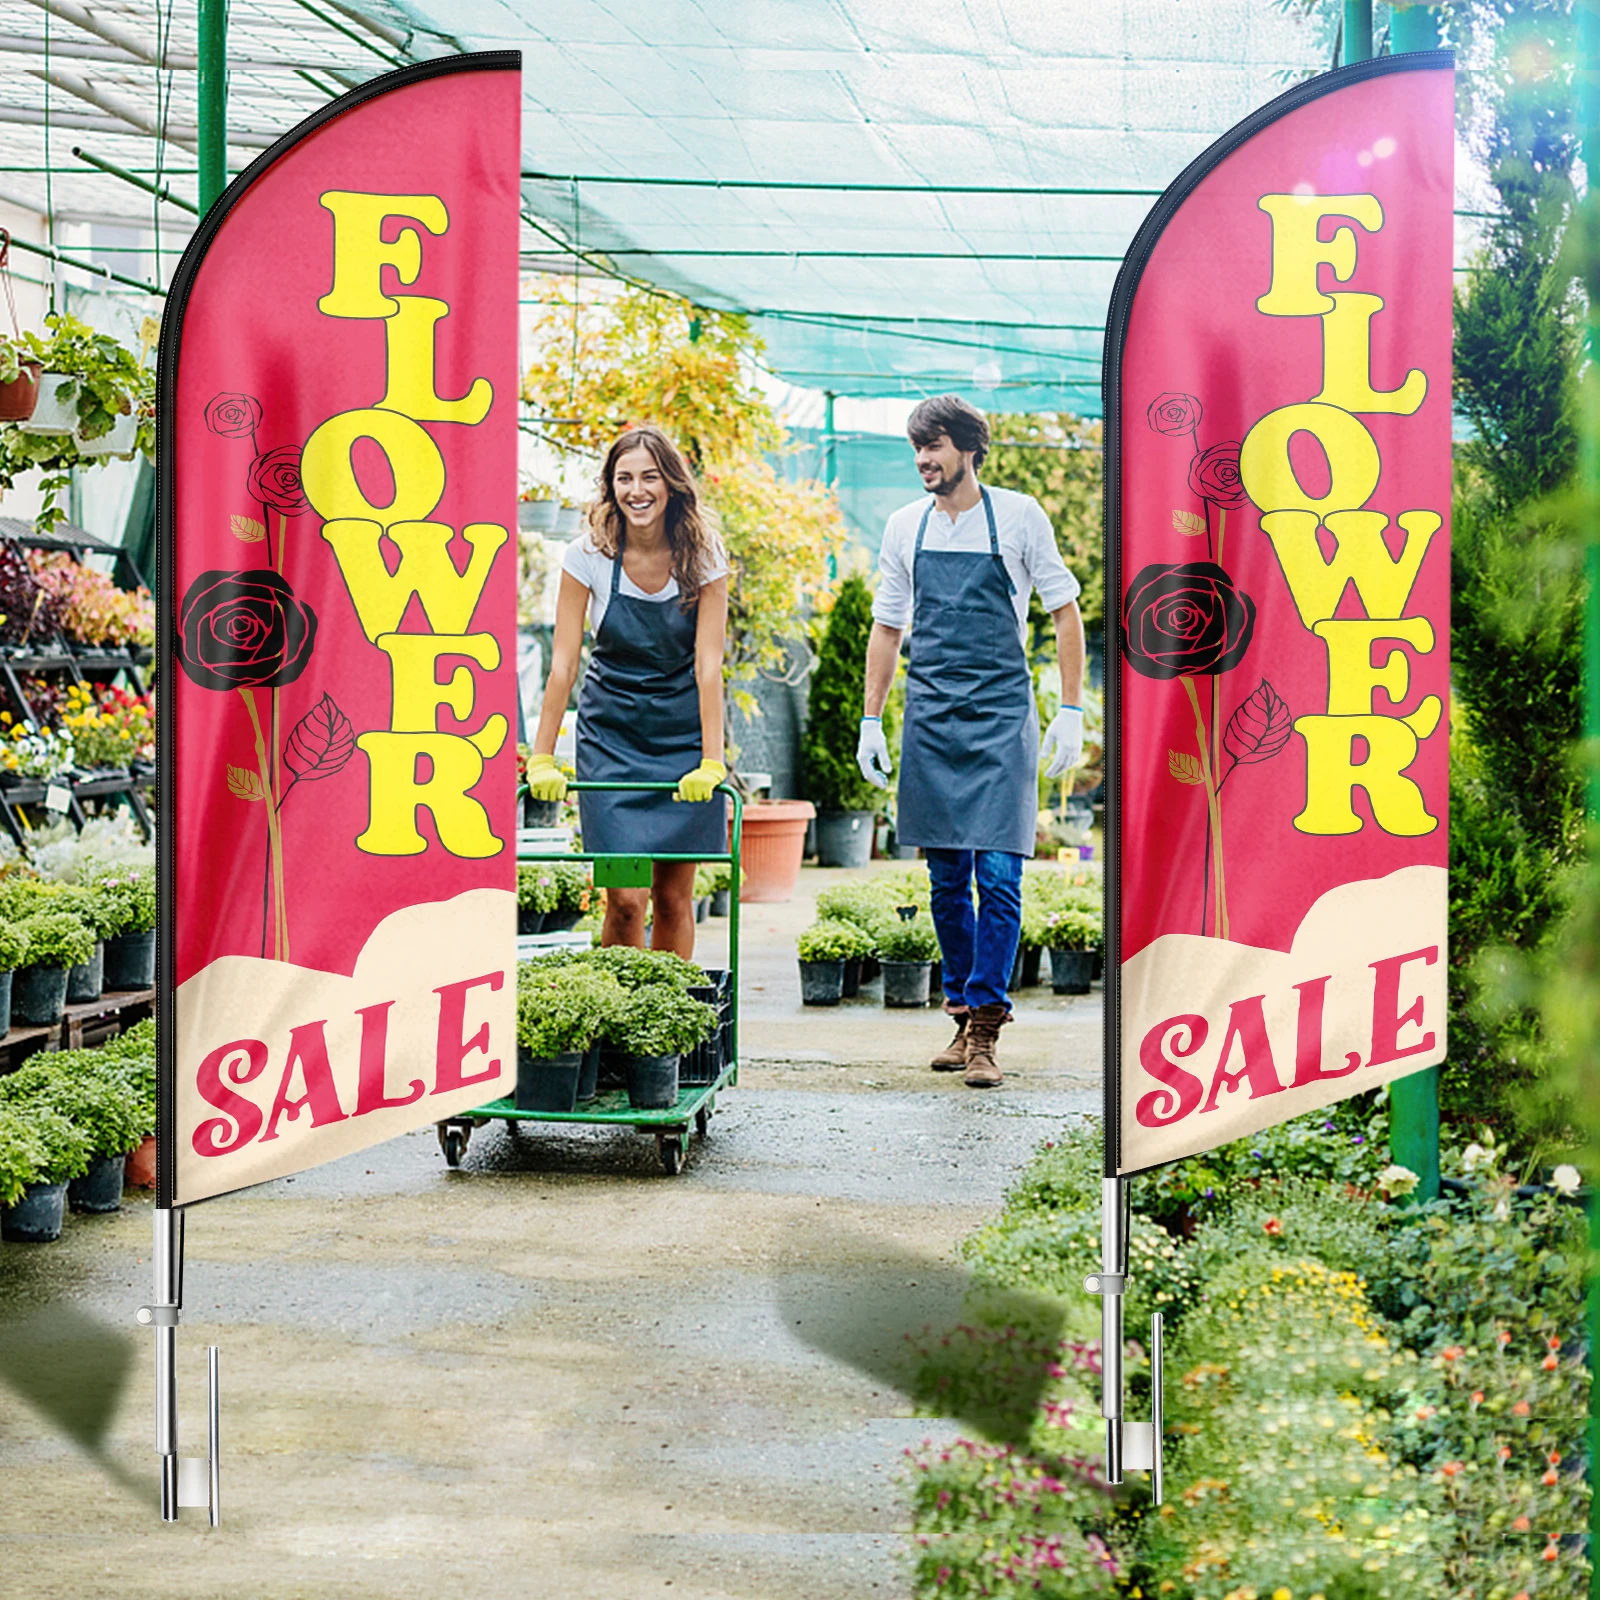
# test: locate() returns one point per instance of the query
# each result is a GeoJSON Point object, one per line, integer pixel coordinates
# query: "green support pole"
{"type": "Point", "coordinates": [1413, 1100]}
{"type": "Point", "coordinates": [1587, 87]}
{"type": "Point", "coordinates": [213, 96]}
{"type": "Point", "coordinates": [829, 475]}
{"type": "Point", "coordinates": [1357, 31]}
{"type": "Point", "coordinates": [1413, 28]}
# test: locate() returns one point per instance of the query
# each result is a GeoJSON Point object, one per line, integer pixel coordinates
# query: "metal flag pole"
{"type": "Point", "coordinates": [1128, 1444]}
{"type": "Point", "coordinates": [194, 1481]}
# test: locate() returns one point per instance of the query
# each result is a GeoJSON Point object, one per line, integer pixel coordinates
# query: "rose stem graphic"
{"type": "Point", "coordinates": [1213, 811]}
{"type": "Point", "coordinates": [274, 854]}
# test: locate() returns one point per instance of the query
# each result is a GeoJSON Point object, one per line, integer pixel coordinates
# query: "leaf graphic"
{"type": "Point", "coordinates": [245, 783]}
{"type": "Point", "coordinates": [247, 529]}
{"type": "Point", "coordinates": [1188, 523]}
{"type": "Point", "coordinates": [1260, 728]}
{"type": "Point", "coordinates": [322, 742]}
{"type": "Point", "coordinates": [1184, 767]}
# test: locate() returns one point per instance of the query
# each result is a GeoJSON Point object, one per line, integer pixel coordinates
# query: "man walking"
{"type": "Point", "coordinates": [958, 567]}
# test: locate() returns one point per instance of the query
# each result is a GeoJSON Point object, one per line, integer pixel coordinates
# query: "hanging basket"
{"type": "Point", "coordinates": [21, 395]}
{"type": "Point", "coordinates": [120, 441]}
{"type": "Point", "coordinates": [57, 407]}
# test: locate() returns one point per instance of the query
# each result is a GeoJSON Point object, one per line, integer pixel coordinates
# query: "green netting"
{"type": "Point", "coordinates": [872, 474]}
{"type": "Point", "coordinates": [718, 148]}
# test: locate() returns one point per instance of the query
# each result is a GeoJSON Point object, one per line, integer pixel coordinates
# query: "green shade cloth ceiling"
{"type": "Point", "coordinates": [916, 286]}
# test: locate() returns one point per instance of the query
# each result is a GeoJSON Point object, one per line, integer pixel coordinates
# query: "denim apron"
{"type": "Point", "coordinates": [969, 754]}
{"type": "Point", "coordinates": [639, 722]}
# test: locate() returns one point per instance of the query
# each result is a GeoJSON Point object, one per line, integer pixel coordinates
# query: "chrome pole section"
{"type": "Point", "coordinates": [168, 1259]}
{"type": "Point", "coordinates": [215, 1433]}
{"type": "Point", "coordinates": [1114, 1264]}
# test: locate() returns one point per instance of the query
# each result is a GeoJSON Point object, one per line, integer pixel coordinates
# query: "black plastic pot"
{"type": "Point", "coordinates": [702, 908]}
{"type": "Point", "coordinates": [38, 995]}
{"type": "Point", "coordinates": [560, 921]}
{"type": "Point", "coordinates": [844, 838]}
{"type": "Point", "coordinates": [936, 983]}
{"type": "Point", "coordinates": [530, 921]}
{"type": "Point", "coordinates": [821, 983]}
{"type": "Point", "coordinates": [652, 1082]}
{"type": "Point", "coordinates": [721, 902]}
{"type": "Point", "coordinates": [540, 813]}
{"type": "Point", "coordinates": [852, 978]}
{"type": "Point", "coordinates": [1025, 969]}
{"type": "Point", "coordinates": [871, 969]}
{"type": "Point", "coordinates": [131, 960]}
{"type": "Point", "coordinates": [905, 983]}
{"type": "Point", "coordinates": [37, 1217]}
{"type": "Point", "coordinates": [5, 998]}
{"type": "Point", "coordinates": [1071, 971]}
{"type": "Point", "coordinates": [85, 981]}
{"type": "Point", "coordinates": [589, 1077]}
{"type": "Point", "coordinates": [613, 1068]}
{"type": "Point", "coordinates": [1099, 962]}
{"type": "Point", "coordinates": [98, 1190]}
{"type": "Point", "coordinates": [548, 1083]}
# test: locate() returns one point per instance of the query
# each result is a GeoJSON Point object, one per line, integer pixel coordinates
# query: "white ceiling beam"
{"type": "Point", "coordinates": [103, 26]}
{"type": "Point", "coordinates": [115, 106]}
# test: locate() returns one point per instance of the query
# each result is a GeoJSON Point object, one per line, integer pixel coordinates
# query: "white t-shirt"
{"type": "Point", "coordinates": [1027, 545]}
{"type": "Point", "coordinates": [593, 571]}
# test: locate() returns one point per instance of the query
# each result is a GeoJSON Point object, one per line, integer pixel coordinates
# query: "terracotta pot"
{"type": "Point", "coordinates": [140, 1172]}
{"type": "Point", "coordinates": [771, 846]}
{"type": "Point", "coordinates": [21, 395]}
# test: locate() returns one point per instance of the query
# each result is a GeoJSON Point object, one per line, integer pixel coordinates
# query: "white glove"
{"type": "Point", "coordinates": [1063, 742]}
{"type": "Point", "coordinates": [872, 753]}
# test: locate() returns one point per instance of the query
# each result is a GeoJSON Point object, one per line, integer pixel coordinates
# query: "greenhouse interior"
{"type": "Point", "coordinates": [927, 363]}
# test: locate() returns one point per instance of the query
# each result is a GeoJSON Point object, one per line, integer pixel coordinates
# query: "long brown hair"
{"type": "Point", "coordinates": [690, 526]}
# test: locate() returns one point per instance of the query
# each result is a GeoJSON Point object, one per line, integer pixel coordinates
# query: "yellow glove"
{"type": "Point", "coordinates": [702, 783]}
{"type": "Point", "coordinates": [545, 781]}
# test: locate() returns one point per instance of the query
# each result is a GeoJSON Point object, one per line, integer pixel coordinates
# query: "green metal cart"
{"type": "Point", "coordinates": [696, 1101]}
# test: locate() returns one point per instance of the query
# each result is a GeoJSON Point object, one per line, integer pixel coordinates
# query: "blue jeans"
{"type": "Point", "coordinates": [978, 949]}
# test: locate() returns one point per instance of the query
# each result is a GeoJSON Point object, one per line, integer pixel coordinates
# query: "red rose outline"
{"type": "Point", "coordinates": [275, 481]}
{"type": "Point", "coordinates": [1185, 621]}
{"type": "Point", "coordinates": [1174, 413]}
{"type": "Point", "coordinates": [233, 416]}
{"type": "Point", "coordinates": [244, 630]}
{"type": "Point", "coordinates": [1214, 475]}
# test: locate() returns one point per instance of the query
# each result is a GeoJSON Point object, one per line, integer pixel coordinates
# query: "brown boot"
{"type": "Point", "coordinates": [983, 1034]}
{"type": "Point", "coordinates": [954, 1055]}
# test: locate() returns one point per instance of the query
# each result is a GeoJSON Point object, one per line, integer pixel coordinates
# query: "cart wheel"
{"type": "Point", "coordinates": [702, 1121]}
{"type": "Point", "coordinates": [453, 1141]}
{"type": "Point", "coordinates": [669, 1146]}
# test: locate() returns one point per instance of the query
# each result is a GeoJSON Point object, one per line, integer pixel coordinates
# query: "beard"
{"type": "Point", "coordinates": [947, 485]}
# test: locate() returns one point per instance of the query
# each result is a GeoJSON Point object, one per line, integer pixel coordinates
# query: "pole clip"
{"type": "Point", "coordinates": [157, 1316]}
{"type": "Point", "coordinates": [1106, 1283]}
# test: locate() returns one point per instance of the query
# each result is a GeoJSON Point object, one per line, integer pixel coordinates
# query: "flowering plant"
{"type": "Point", "coordinates": [110, 727]}
{"type": "Point", "coordinates": [90, 607]}
{"type": "Point", "coordinates": [29, 751]}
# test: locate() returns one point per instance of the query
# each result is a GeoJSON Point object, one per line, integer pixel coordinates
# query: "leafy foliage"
{"type": "Point", "coordinates": [908, 941]}
{"type": "Point", "coordinates": [131, 894]}
{"type": "Point", "coordinates": [659, 1019]}
{"type": "Point", "coordinates": [833, 939]}
{"type": "Point", "coordinates": [57, 939]}
{"type": "Point", "coordinates": [564, 1008]}
{"type": "Point", "coordinates": [833, 781]}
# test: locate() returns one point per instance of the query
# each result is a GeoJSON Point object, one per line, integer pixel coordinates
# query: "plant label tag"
{"type": "Point", "coordinates": [57, 797]}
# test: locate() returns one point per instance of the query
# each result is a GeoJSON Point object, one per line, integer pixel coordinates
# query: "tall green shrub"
{"type": "Point", "coordinates": [833, 781]}
{"type": "Point", "coordinates": [1517, 590]}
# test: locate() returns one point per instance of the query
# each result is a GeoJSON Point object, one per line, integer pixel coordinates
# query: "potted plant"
{"type": "Point", "coordinates": [907, 951]}
{"type": "Point", "coordinates": [655, 1024]}
{"type": "Point", "coordinates": [132, 1056]}
{"type": "Point", "coordinates": [53, 1150]}
{"type": "Point", "coordinates": [1074, 934]}
{"type": "Point", "coordinates": [86, 1088]}
{"type": "Point", "coordinates": [573, 896]}
{"type": "Point", "coordinates": [57, 942]}
{"type": "Point", "coordinates": [772, 841]}
{"type": "Point", "coordinates": [825, 949]}
{"type": "Point", "coordinates": [99, 914]}
{"type": "Point", "coordinates": [846, 803]}
{"type": "Point", "coordinates": [13, 954]}
{"type": "Point", "coordinates": [130, 961]}
{"type": "Point", "coordinates": [537, 895]}
{"type": "Point", "coordinates": [1030, 947]}
{"type": "Point", "coordinates": [720, 878]}
{"type": "Point", "coordinates": [561, 1009]}
{"type": "Point", "coordinates": [20, 368]}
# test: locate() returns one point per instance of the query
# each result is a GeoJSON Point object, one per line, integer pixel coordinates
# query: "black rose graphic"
{"type": "Point", "coordinates": [1186, 621]}
{"type": "Point", "coordinates": [1173, 413]}
{"type": "Point", "coordinates": [244, 630]}
{"type": "Point", "coordinates": [1214, 475]}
